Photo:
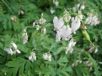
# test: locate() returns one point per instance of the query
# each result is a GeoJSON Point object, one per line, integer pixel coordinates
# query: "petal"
{"type": "Point", "coordinates": [75, 25]}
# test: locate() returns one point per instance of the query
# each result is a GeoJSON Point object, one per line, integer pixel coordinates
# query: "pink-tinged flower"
{"type": "Point", "coordinates": [92, 20]}
{"type": "Point", "coordinates": [75, 24]}
{"type": "Point", "coordinates": [58, 23]}
{"type": "Point", "coordinates": [64, 33]}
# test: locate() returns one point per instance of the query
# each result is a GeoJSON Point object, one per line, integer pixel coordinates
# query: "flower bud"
{"type": "Point", "coordinates": [86, 35]}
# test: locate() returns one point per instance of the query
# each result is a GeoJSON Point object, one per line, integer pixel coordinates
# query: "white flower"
{"type": "Point", "coordinates": [25, 37]}
{"type": "Point", "coordinates": [66, 16]}
{"type": "Point", "coordinates": [76, 7]}
{"type": "Point", "coordinates": [56, 2]}
{"type": "Point", "coordinates": [13, 45]}
{"type": "Point", "coordinates": [82, 7]}
{"type": "Point", "coordinates": [42, 20]}
{"type": "Point", "coordinates": [18, 51]}
{"type": "Point", "coordinates": [14, 18]}
{"type": "Point", "coordinates": [44, 30]}
{"type": "Point", "coordinates": [80, 15]}
{"type": "Point", "coordinates": [9, 51]}
{"type": "Point", "coordinates": [75, 24]}
{"type": "Point", "coordinates": [58, 23]}
{"type": "Point", "coordinates": [58, 36]}
{"type": "Point", "coordinates": [52, 10]}
{"type": "Point", "coordinates": [32, 56]}
{"type": "Point", "coordinates": [12, 49]}
{"type": "Point", "coordinates": [96, 50]}
{"type": "Point", "coordinates": [34, 23]}
{"type": "Point", "coordinates": [69, 48]}
{"type": "Point", "coordinates": [92, 20]}
{"type": "Point", "coordinates": [47, 56]}
{"type": "Point", "coordinates": [37, 27]}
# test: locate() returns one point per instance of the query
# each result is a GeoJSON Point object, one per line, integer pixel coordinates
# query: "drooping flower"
{"type": "Point", "coordinates": [96, 50]}
{"type": "Point", "coordinates": [12, 49]}
{"type": "Point", "coordinates": [69, 48]}
{"type": "Point", "coordinates": [44, 30]}
{"type": "Point", "coordinates": [42, 20]}
{"type": "Point", "coordinates": [82, 7]}
{"type": "Point", "coordinates": [25, 36]}
{"type": "Point", "coordinates": [78, 7]}
{"type": "Point", "coordinates": [47, 56]}
{"type": "Point", "coordinates": [13, 45]}
{"type": "Point", "coordinates": [52, 10]}
{"type": "Point", "coordinates": [92, 20]}
{"type": "Point", "coordinates": [9, 51]}
{"type": "Point", "coordinates": [14, 18]}
{"type": "Point", "coordinates": [75, 24]}
{"type": "Point", "coordinates": [32, 56]}
{"type": "Point", "coordinates": [80, 15]}
{"type": "Point", "coordinates": [76, 63]}
{"type": "Point", "coordinates": [58, 23]}
{"type": "Point", "coordinates": [34, 23]}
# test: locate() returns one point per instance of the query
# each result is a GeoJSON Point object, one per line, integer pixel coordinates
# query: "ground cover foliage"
{"type": "Point", "coordinates": [50, 38]}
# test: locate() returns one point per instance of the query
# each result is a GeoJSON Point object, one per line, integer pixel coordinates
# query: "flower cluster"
{"type": "Point", "coordinates": [68, 24]}
{"type": "Point", "coordinates": [38, 24]}
{"type": "Point", "coordinates": [24, 36]}
{"type": "Point", "coordinates": [65, 31]}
